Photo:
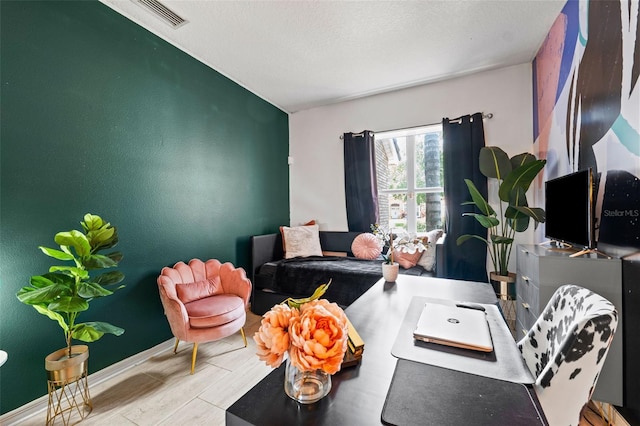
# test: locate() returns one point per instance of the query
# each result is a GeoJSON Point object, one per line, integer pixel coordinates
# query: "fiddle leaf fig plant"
{"type": "Point", "coordinates": [66, 290]}
{"type": "Point", "coordinates": [512, 214]}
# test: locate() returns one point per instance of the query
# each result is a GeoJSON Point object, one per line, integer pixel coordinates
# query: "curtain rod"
{"type": "Point", "coordinates": [488, 116]}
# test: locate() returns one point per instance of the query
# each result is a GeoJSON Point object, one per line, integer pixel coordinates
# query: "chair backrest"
{"type": "Point", "coordinates": [566, 348]}
{"type": "Point", "coordinates": [196, 270]}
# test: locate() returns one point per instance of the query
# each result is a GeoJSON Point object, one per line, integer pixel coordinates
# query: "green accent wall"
{"type": "Point", "coordinates": [101, 116]}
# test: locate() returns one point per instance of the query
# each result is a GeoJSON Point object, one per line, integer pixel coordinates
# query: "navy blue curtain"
{"type": "Point", "coordinates": [462, 140]}
{"type": "Point", "coordinates": [360, 183]}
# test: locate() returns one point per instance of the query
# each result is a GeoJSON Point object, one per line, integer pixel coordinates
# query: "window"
{"type": "Point", "coordinates": [410, 182]}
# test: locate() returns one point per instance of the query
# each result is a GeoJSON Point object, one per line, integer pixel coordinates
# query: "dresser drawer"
{"type": "Point", "coordinates": [525, 286]}
{"type": "Point", "coordinates": [527, 263]}
{"type": "Point", "coordinates": [525, 314]}
{"type": "Point", "coordinates": [528, 291]}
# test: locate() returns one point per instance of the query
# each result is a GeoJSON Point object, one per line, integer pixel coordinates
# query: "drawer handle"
{"type": "Point", "coordinates": [525, 305]}
{"type": "Point", "coordinates": [525, 278]}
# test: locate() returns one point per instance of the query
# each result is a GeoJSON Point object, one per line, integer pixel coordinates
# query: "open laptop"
{"type": "Point", "coordinates": [454, 326]}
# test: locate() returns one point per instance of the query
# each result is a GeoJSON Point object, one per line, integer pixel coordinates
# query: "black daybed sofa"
{"type": "Point", "coordinates": [275, 278]}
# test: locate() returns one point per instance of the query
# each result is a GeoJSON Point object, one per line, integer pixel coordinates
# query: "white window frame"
{"type": "Point", "coordinates": [410, 150]}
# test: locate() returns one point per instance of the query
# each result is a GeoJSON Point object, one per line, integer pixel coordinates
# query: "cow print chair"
{"type": "Point", "coordinates": [565, 350]}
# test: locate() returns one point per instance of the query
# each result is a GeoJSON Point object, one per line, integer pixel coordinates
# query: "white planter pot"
{"type": "Point", "coordinates": [390, 272]}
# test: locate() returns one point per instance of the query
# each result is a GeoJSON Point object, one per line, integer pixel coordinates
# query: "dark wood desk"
{"type": "Point", "coordinates": [358, 393]}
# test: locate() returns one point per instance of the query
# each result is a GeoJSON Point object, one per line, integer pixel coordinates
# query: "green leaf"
{"type": "Point", "coordinates": [52, 315]}
{"type": "Point", "coordinates": [75, 239]}
{"type": "Point", "coordinates": [98, 261]}
{"type": "Point", "coordinates": [100, 237]}
{"type": "Point", "coordinates": [116, 256]}
{"type": "Point", "coordinates": [512, 212]}
{"type": "Point", "coordinates": [91, 222]}
{"type": "Point", "coordinates": [462, 238]}
{"type": "Point", "coordinates": [319, 291]}
{"type": "Point", "coordinates": [520, 178]}
{"type": "Point", "coordinates": [79, 272]}
{"type": "Point", "coordinates": [86, 333]}
{"type": "Point", "coordinates": [517, 197]}
{"type": "Point", "coordinates": [498, 239]}
{"type": "Point", "coordinates": [44, 295]}
{"type": "Point", "coordinates": [90, 290]}
{"type": "Point", "coordinates": [519, 217]}
{"type": "Point", "coordinates": [57, 254]}
{"type": "Point", "coordinates": [486, 221]}
{"type": "Point", "coordinates": [535, 213]}
{"type": "Point", "coordinates": [521, 159]}
{"type": "Point", "coordinates": [69, 304]}
{"type": "Point", "coordinates": [520, 224]}
{"type": "Point", "coordinates": [73, 270]}
{"type": "Point", "coordinates": [40, 281]}
{"type": "Point", "coordinates": [478, 199]}
{"type": "Point", "coordinates": [92, 331]}
{"type": "Point", "coordinates": [494, 162]}
{"type": "Point", "coordinates": [48, 279]}
{"type": "Point", "coordinates": [113, 277]}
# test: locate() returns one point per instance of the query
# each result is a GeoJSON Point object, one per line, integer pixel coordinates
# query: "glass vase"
{"type": "Point", "coordinates": [306, 387]}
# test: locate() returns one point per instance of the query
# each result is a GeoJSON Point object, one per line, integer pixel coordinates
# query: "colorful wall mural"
{"type": "Point", "coordinates": [587, 109]}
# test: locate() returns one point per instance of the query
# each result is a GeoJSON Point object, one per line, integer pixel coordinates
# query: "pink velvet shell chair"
{"type": "Point", "coordinates": [204, 301]}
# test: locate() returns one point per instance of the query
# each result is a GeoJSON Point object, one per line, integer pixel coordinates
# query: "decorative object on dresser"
{"type": "Point", "coordinates": [61, 295]}
{"type": "Point", "coordinates": [565, 350]}
{"type": "Point", "coordinates": [204, 301]}
{"type": "Point", "coordinates": [512, 214]}
{"type": "Point", "coordinates": [311, 336]}
{"type": "Point", "coordinates": [541, 271]}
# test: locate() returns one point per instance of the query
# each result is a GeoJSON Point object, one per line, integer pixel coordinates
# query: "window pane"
{"type": "Point", "coordinates": [391, 164]}
{"type": "Point", "coordinates": [397, 211]}
{"type": "Point", "coordinates": [430, 211]}
{"type": "Point", "coordinates": [428, 166]}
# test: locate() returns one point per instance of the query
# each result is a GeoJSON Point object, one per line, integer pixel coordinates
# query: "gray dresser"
{"type": "Point", "coordinates": [541, 270]}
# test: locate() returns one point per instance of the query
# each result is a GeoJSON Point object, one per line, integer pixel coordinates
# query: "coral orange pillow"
{"type": "Point", "coordinates": [366, 246]}
{"type": "Point", "coordinates": [407, 260]}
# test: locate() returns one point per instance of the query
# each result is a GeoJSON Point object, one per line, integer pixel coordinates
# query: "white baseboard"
{"type": "Point", "coordinates": [39, 405]}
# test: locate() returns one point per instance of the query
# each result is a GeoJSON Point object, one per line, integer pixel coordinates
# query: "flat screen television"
{"type": "Point", "coordinates": [569, 209]}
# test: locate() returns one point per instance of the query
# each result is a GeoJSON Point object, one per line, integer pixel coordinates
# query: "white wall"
{"type": "Point", "coordinates": [317, 177]}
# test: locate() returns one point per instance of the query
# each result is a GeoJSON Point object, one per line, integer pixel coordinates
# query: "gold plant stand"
{"type": "Point", "coordinates": [506, 300]}
{"type": "Point", "coordinates": [68, 386]}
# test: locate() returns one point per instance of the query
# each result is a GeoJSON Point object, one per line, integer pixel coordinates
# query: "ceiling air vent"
{"type": "Point", "coordinates": [163, 12]}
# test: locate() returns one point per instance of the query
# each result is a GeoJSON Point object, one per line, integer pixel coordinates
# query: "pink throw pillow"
{"type": "Point", "coordinates": [366, 246]}
{"type": "Point", "coordinates": [407, 260]}
{"type": "Point", "coordinates": [199, 290]}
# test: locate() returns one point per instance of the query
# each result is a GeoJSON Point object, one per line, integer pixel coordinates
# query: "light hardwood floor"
{"type": "Point", "coordinates": [160, 391]}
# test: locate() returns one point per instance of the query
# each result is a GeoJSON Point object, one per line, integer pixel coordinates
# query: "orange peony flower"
{"type": "Point", "coordinates": [272, 338]}
{"type": "Point", "coordinates": [318, 337]}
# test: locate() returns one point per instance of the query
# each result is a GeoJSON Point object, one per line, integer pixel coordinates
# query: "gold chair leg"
{"type": "Point", "coordinates": [193, 357]}
{"type": "Point", "coordinates": [244, 338]}
{"type": "Point", "coordinates": [175, 348]}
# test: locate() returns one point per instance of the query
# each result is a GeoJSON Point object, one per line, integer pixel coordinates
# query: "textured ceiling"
{"type": "Point", "coordinates": [301, 54]}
